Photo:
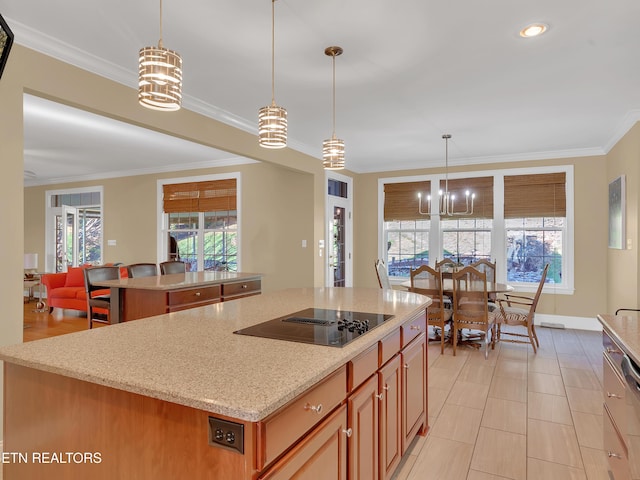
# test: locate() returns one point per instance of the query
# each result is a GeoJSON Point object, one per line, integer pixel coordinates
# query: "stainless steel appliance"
{"type": "Point", "coordinates": [631, 373]}
{"type": "Point", "coordinates": [318, 326]}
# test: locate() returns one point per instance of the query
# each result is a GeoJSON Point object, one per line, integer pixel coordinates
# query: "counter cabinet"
{"type": "Point", "coordinates": [386, 407]}
{"type": "Point", "coordinates": [357, 422]}
{"type": "Point", "coordinates": [614, 409]}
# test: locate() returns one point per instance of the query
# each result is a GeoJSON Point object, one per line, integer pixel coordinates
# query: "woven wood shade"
{"type": "Point", "coordinates": [211, 196]}
{"type": "Point", "coordinates": [541, 195]}
{"type": "Point", "coordinates": [401, 200]}
{"type": "Point", "coordinates": [483, 189]}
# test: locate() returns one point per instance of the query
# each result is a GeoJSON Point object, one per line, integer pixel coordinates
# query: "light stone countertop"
{"type": "Point", "coordinates": [180, 280]}
{"type": "Point", "coordinates": [625, 329]}
{"type": "Point", "coordinates": [193, 358]}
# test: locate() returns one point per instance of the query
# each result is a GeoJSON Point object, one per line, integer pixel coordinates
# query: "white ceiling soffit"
{"type": "Point", "coordinates": [409, 73]}
{"type": "Point", "coordinates": [63, 144]}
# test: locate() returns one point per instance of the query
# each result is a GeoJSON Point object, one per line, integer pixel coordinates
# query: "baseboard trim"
{"type": "Point", "coordinates": [576, 323]}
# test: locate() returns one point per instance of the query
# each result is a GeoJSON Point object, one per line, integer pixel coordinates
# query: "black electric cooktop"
{"type": "Point", "coordinates": [319, 326]}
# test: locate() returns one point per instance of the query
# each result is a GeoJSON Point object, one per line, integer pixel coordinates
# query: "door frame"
{"type": "Point", "coordinates": [347, 203]}
{"type": "Point", "coordinates": [50, 213]}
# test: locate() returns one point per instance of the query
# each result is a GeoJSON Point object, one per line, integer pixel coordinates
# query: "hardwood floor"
{"type": "Point", "coordinates": [517, 415]}
{"type": "Point", "coordinates": [43, 325]}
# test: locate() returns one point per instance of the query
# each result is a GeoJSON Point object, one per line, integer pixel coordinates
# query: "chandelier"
{"type": "Point", "coordinates": [333, 148]}
{"type": "Point", "coordinates": [272, 119]}
{"type": "Point", "coordinates": [159, 76]}
{"type": "Point", "coordinates": [446, 200]}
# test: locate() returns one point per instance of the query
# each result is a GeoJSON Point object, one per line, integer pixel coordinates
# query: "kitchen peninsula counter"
{"type": "Point", "coordinates": [141, 297]}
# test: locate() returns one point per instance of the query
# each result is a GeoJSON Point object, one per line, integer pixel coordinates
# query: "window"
{"type": "Point", "coordinates": [535, 224]}
{"type": "Point", "coordinates": [407, 246]}
{"type": "Point", "coordinates": [406, 232]}
{"type": "Point", "coordinates": [523, 219]}
{"type": "Point", "coordinates": [201, 221]}
{"type": "Point", "coordinates": [466, 240]}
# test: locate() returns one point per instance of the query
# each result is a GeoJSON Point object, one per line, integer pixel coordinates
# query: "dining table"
{"type": "Point", "coordinates": [470, 337]}
{"type": "Point", "coordinates": [493, 288]}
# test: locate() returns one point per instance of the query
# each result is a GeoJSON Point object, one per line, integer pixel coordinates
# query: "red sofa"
{"type": "Point", "coordinates": [66, 289]}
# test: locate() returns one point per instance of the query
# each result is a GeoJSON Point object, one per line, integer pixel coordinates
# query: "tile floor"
{"type": "Point", "coordinates": [517, 415]}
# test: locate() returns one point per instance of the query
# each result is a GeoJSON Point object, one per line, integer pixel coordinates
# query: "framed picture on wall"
{"type": "Point", "coordinates": [617, 210]}
{"type": "Point", "coordinates": [6, 40]}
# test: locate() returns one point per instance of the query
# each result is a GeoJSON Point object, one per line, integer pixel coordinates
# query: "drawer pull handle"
{"type": "Point", "coordinates": [613, 455]}
{"type": "Point", "coordinates": [406, 366]}
{"type": "Point", "coordinates": [348, 432]}
{"type": "Point", "coordinates": [197, 294]}
{"type": "Point", "coordinates": [386, 387]}
{"type": "Point", "coordinates": [613, 395]}
{"type": "Point", "coordinates": [314, 408]}
{"type": "Point", "coordinates": [244, 285]}
{"type": "Point", "coordinates": [613, 350]}
{"type": "Point", "coordinates": [380, 397]}
{"type": "Point", "coordinates": [416, 327]}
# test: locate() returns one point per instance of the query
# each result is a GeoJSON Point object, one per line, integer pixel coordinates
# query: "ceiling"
{"type": "Point", "coordinates": [411, 71]}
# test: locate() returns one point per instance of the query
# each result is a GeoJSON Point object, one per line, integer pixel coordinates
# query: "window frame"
{"type": "Point", "coordinates": [499, 231]}
{"type": "Point", "coordinates": [162, 217]}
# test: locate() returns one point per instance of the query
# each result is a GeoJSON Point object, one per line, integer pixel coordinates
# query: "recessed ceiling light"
{"type": "Point", "coordinates": [533, 30]}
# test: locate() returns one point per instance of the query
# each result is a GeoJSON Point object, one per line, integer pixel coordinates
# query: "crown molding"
{"type": "Point", "coordinates": [33, 182]}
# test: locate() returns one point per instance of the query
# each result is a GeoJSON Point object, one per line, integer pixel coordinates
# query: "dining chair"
{"type": "Point", "coordinates": [489, 268]}
{"type": "Point", "coordinates": [519, 311]}
{"type": "Point", "coordinates": [383, 276]}
{"type": "Point", "coordinates": [428, 281]}
{"type": "Point", "coordinates": [98, 297]}
{"type": "Point", "coordinates": [470, 306]}
{"type": "Point", "coordinates": [172, 266]}
{"type": "Point", "coordinates": [136, 270]}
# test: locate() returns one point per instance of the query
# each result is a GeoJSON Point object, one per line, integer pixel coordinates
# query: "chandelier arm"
{"type": "Point", "coordinates": [160, 41]}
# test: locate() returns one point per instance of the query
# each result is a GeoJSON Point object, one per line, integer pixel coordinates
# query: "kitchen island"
{"type": "Point", "coordinates": [181, 396]}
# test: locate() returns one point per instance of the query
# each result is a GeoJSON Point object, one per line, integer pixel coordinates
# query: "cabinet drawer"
{"type": "Point", "coordinates": [241, 288]}
{"type": "Point", "coordinates": [614, 352]}
{"type": "Point", "coordinates": [615, 449]}
{"type": "Point", "coordinates": [389, 347]}
{"type": "Point", "coordinates": [614, 394]}
{"type": "Point", "coordinates": [194, 295]}
{"type": "Point", "coordinates": [280, 430]}
{"type": "Point", "coordinates": [362, 367]}
{"type": "Point", "coordinates": [413, 328]}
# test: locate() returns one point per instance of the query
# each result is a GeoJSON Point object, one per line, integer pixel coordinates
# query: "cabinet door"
{"type": "Point", "coordinates": [389, 384]}
{"type": "Point", "coordinates": [363, 422]}
{"type": "Point", "coordinates": [414, 390]}
{"type": "Point", "coordinates": [322, 454]}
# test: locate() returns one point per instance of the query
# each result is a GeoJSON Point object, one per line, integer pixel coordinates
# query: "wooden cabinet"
{"type": "Point", "coordinates": [283, 428]}
{"type": "Point", "coordinates": [390, 442]}
{"type": "Point", "coordinates": [192, 297]}
{"type": "Point", "coordinates": [614, 409]}
{"type": "Point", "coordinates": [363, 406]}
{"type": "Point", "coordinates": [321, 454]}
{"type": "Point", "coordinates": [235, 290]}
{"type": "Point", "coordinates": [414, 389]}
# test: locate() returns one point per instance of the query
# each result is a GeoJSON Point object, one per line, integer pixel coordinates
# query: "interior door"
{"type": "Point", "coordinates": [339, 233]}
{"type": "Point", "coordinates": [65, 235]}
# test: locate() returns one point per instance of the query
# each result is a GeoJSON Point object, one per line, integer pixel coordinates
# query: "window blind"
{"type": "Point", "coordinates": [483, 189]}
{"type": "Point", "coordinates": [537, 195]}
{"type": "Point", "coordinates": [209, 196]}
{"type": "Point", "coordinates": [401, 200]}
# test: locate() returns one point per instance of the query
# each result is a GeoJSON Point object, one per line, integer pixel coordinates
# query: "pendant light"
{"type": "Point", "coordinates": [272, 120]}
{"type": "Point", "coordinates": [446, 200]}
{"type": "Point", "coordinates": [159, 76]}
{"type": "Point", "coordinates": [333, 148]}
